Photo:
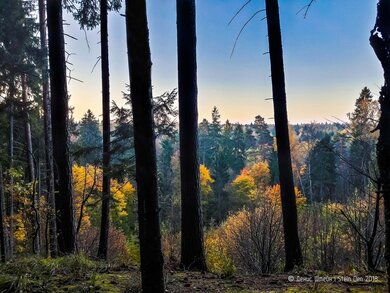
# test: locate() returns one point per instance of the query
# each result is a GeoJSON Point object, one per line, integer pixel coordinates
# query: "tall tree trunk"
{"type": "Point", "coordinates": [27, 133]}
{"type": "Point", "coordinates": [144, 144]}
{"type": "Point", "coordinates": [11, 166]}
{"type": "Point", "coordinates": [31, 170]}
{"type": "Point", "coordinates": [59, 109]}
{"type": "Point", "coordinates": [2, 213]}
{"type": "Point", "coordinates": [51, 217]}
{"type": "Point", "coordinates": [290, 222]}
{"type": "Point", "coordinates": [192, 249]}
{"type": "Point", "coordinates": [105, 221]}
{"type": "Point", "coordinates": [380, 42]}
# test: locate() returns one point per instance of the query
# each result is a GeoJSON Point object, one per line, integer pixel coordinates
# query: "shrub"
{"type": "Point", "coordinates": [217, 256]}
{"type": "Point", "coordinates": [119, 250]}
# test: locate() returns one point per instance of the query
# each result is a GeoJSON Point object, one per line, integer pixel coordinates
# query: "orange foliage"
{"type": "Point", "coordinates": [273, 194]}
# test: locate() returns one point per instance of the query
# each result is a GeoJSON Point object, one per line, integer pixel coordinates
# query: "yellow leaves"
{"type": "Point", "coordinates": [217, 256]}
{"type": "Point", "coordinates": [244, 185]}
{"type": "Point", "coordinates": [261, 175]}
{"type": "Point", "coordinates": [85, 178]}
{"type": "Point", "coordinates": [253, 181]}
{"type": "Point", "coordinates": [20, 232]}
{"type": "Point", "coordinates": [205, 180]}
{"type": "Point", "coordinates": [253, 184]}
{"type": "Point", "coordinates": [87, 186]}
{"type": "Point", "coordinates": [121, 195]}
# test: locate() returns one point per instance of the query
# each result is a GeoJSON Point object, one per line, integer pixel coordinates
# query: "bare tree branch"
{"type": "Point", "coordinates": [306, 8]}
{"type": "Point", "coordinates": [238, 12]}
{"type": "Point", "coordinates": [243, 27]}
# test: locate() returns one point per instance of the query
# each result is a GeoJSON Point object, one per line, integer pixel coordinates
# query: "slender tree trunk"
{"type": "Point", "coordinates": [104, 226]}
{"type": "Point", "coordinates": [31, 170]}
{"type": "Point", "coordinates": [380, 42]}
{"type": "Point", "coordinates": [289, 208]}
{"type": "Point", "coordinates": [11, 166]}
{"type": "Point", "coordinates": [27, 134]}
{"type": "Point", "coordinates": [51, 217]}
{"type": "Point", "coordinates": [2, 213]}
{"type": "Point", "coordinates": [192, 249]}
{"type": "Point", "coordinates": [144, 144]}
{"type": "Point", "coordinates": [59, 110]}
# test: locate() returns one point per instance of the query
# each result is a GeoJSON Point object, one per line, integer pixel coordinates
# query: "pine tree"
{"type": "Point", "coordinates": [51, 218]}
{"type": "Point", "coordinates": [323, 170]}
{"type": "Point", "coordinates": [87, 148]}
{"type": "Point", "coordinates": [238, 151]}
{"type": "Point", "coordinates": [204, 143]}
{"type": "Point", "coordinates": [362, 150]}
{"type": "Point", "coordinates": [60, 129]}
{"type": "Point", "coordinates": [144, 145]}
{"type": "Point", "coordinates": [289, 208]}
{"type": "Point", "coordinates": [192, 250]}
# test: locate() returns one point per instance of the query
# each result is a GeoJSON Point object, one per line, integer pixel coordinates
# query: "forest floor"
{"type": "Point", "coordinates": [79, 274]}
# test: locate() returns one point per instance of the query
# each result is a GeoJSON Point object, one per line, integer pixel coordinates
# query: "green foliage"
{"type": "Point", "coordinates": [87, 12]}
{"type": "Point", "coordinates": [74, 273]}
{"type": "Point", "coordinates": [165, 177]}
{"type": "Point", "coordinates": [238, 149]}
{"type": "Point", "coordinates": [134, 250]}
{"type": "Point", "coordinates": [122, 145]}
{"type": "Point", "coordinates": [88, 147]}
{"type": "Point", "coordinates": [362, 151]}
{"type": "Point", "coordinates": [322, 160]}
{"type": "Point", "coordinates": [76, 265]}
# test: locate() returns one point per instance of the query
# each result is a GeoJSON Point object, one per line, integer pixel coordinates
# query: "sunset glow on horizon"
{"type": "Point", "coordinates": [328, 59]}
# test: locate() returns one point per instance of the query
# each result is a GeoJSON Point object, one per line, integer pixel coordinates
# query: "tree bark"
{"type": "Point", "coordinates": [192, 249]}
{"type": "Point", "coordinates": [60, 132]}
{"type": "Point", "coordinates": [52, 225]}
{"type": "Point", "coordinates": [105, 221]}
{"type": "Point", "coordinates": [293, 252]}
{"type": "Point", "coordinates": [144, 145]}
{"type": "Point", "coordinates": [380, 42]}
{"type": "Point", "coordinates": [11, 166]}
{"type": "Point", "coordinates": [2, 213]}
{"type": "Point", "coordinates": [31, 170]}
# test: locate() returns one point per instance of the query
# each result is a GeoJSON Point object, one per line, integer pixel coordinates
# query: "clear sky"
{"type": "Point", "coordinates": [328, 59]}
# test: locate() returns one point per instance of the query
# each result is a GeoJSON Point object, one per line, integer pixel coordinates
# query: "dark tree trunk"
{"type": "Point", "coordinates": [31, 170]}
{"type": "Point", "coordinates": [380, 42]}
{"type": "Point", "coordinates": [192, 249]}
{"type": "Point", "coordinates": [2, 213]}
{"type": "Point", "coordinates": [59, 109]}
{"type": "Point", "coordinates": [11, 165]}
{"type": "Point", "coordinates": [289, 208]}
{"type": "Point", "coordinates": [51, 217]}
{"type": "Point", "coordinates": [144, 145]}
{"type": "Point", "coordinates": [104, 227]}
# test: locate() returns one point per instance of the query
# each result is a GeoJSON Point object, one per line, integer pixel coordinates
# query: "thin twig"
{"type": "Point", "coordinates": [97, 61]}
{"type": "Point", "coordinates": [238, 12]}
{"type": "Point", "coordinates": [306, 8]}
{"type": "Point", "coordinates": [243, 27]}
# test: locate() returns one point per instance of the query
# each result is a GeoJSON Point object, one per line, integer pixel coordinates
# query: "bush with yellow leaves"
{"type": "Point", "coordinates": [218, 258]}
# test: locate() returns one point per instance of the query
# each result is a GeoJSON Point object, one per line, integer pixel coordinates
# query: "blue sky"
{"type": "Point", "coordinates": [328, 59]}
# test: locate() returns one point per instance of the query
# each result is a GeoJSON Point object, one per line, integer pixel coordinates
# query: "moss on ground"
{"type": "Point", "coordinates": [77, 273]}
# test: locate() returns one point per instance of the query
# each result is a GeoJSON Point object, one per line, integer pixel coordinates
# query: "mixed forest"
{"type": "Point", "coordinates": [147, 198]}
